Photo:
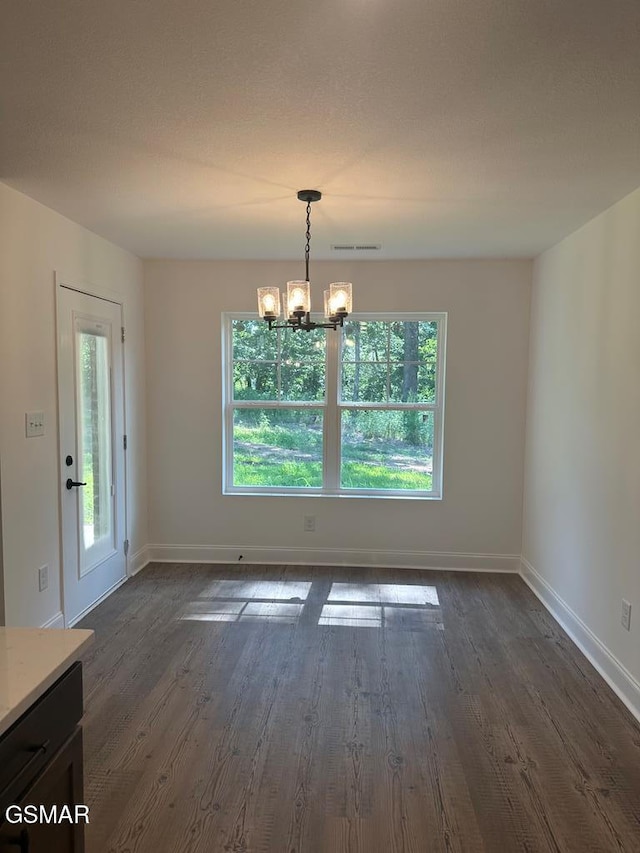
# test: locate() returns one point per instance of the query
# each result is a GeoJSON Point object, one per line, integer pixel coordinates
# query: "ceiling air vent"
{"type": "Point", "coordinates": [356, 247]}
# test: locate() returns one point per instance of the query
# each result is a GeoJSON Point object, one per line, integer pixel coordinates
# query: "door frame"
{"type": "Point", "coordinates": [61, 282]}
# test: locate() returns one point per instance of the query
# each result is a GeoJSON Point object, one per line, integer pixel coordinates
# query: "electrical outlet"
{"type": "Point", "coordinates": [43, 578]}
{"type": "Point", "coordinates": [309, 524]}
{"type": "Point", "coordinates": [34, 424]}
{"type": "Point", "coordinates": [625, 617]}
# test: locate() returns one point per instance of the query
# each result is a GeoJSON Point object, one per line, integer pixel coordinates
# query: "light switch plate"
{"type": "Point", "coordinates": [43, 578]}
{"type": "Point", "coordinates": [34, 424]}
{"type": "Point", "coordinates": [625, 616]}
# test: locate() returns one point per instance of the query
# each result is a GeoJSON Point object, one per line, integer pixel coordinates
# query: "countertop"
{"type": "Point", "coordinates": [31, 660]}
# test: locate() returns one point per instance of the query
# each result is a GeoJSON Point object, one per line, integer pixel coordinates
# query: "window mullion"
{"type": "Point", "coordinates": [332, 414]}
{"type": "Point", "coordinates": [227, 407]}
{"type": "Point", "coordinates": [279, 364]}
{"type": "Point", "coordinates": [388, 365]}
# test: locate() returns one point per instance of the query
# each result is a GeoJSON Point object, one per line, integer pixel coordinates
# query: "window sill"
{"type": "Point", "coordinates": [349, 495]}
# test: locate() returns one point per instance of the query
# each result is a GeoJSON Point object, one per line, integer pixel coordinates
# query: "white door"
{"type": "Point", "coordinates": [91, 413]}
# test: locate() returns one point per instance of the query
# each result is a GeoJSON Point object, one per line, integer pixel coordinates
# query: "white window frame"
{"type": "Point", "coordinates": [332, 407]}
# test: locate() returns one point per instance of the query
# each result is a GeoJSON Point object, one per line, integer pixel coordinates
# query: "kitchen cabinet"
{"type": "Point", "coordinates": [41, 774]}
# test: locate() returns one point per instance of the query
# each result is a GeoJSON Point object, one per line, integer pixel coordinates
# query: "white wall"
{"type": "Point", "coordinates": [35, 242]}
{"type": "Point", "coordinates": [581, 538]}
{"type": "Point", "coordinates": [488, 306]}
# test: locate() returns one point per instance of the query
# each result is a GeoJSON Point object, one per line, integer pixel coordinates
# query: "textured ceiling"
{"type": "Point", "coordinates": [439, 128]}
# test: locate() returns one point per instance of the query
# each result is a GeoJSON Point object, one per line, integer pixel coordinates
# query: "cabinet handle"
{"type": "Point", "coordinates": [36, 753]}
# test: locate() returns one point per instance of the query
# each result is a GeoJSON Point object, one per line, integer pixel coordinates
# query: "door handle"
{"type": "Point", "coordinates": [72, 483]}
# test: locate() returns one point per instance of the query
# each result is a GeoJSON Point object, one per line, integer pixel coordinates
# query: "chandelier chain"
{"type": "Point", "coordinates": [308, 236]}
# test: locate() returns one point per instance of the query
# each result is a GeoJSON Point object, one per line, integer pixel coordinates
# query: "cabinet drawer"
{"type": "Point", "coordinates": [33, 739]}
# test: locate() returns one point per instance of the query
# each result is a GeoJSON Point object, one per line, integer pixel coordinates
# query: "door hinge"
{"type": "Point", "coordinates": [122, 330]}
{"type": "Point", "coordinates": [126, 547]}
{"type": "Point", "coordinates": [124, 441]}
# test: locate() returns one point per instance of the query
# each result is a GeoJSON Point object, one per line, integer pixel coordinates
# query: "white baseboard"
{"type": "Point", "coordinates": [138, 561]}
{"type": "Point", "coordinates": [617, 676]}
{"type": "Point", "coordinates": [98, 601]}
{"type": "Point", "coordinates": [450, 561]}
{"type": "Point", "coordinates": [56, 621]}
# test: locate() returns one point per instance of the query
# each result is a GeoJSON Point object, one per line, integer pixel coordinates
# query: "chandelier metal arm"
{"type": "Point", "coordinates": [302, 322]}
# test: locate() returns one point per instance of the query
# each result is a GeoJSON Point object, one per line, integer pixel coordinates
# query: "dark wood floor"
{"type": "Point", "coordinates": [321, 710]}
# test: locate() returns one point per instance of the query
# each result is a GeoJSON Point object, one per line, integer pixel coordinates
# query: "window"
{"type": "Point", "coordinates": [354, 412]}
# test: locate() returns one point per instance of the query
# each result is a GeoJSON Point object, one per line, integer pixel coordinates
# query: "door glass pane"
{"type": "Point", "coordinates": [94, 416]}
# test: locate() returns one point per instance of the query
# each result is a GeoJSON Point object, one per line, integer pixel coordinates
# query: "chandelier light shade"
{"type": "Point", "coordinates": [298, 298]}
{"type": "Point", "coordinates": [338, 300]}
{"type": "Point", "coordinates": [269, 303]}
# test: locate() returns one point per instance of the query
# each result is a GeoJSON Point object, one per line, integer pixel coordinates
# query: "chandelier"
{"type": "Point", "coordinates": [337, 300]}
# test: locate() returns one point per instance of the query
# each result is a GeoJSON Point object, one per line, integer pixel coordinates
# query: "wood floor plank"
{"type": "Point", "coordinates": [289, 709]}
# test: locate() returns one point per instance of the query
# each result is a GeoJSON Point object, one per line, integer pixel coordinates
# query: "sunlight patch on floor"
{"type": "Point", "coordinates": [243, 611]}
{"type": "Point", "coordinates": [385, 593]}
{"type": "Point", "coordinates": [264, 590]}
{"type": "Point", "coordinates": [361, 605]}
